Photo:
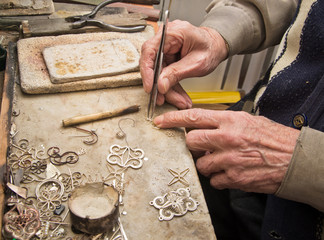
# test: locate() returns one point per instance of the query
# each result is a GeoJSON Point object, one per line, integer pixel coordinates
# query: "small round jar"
{"type": "Point", "coordinates": [94, 208]}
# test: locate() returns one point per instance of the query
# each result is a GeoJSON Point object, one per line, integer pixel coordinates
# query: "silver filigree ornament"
{"type": "Point", "coordinates": [70, 181]}
{"type": "Point", "coordinates": [178, 177]}
{"type": "Point", "coordinates": [49, 195]}
{"type": "Point", "coordinates": [126, 156]}
{"type": "Point", "coordinates": [115, 178]}
{"type": "Point", "coordinates": [21, 222]}
{"type": "Point", "coordinates": [174, 203]}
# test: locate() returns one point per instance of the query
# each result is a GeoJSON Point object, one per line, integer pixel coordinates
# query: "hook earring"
{"type": "Point", "coordinates": [92, 135]}
{"type": "Point", "coordinates": [121, 133]}
{"type": "Point", "coordinates": [125, 156]}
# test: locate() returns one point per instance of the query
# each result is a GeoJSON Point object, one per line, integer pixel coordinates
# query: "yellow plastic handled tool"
{"type": "Point", "coordinates": [215, 97]}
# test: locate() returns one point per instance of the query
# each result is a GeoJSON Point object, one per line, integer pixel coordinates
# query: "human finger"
{"type": "Point", "coordinates": [223, 180]}
{"type": "Point", "coordinates": [191, 52]}
{"type": "Point", "coordinates": [219, 180]}
{"type": "Point", "coordinates": [191, 65]}
{"type": "Point", "coordinates": [210, 164]}
{"type": "Point", "coordinates": [147, 67]}
{"type": "Point", "coordinates": [229, 160]}
{"type": "Point", "coordinates": [178, 97]}
{"type": "Point", "coordinates": [160, 99]}
{"type": "Point", "coordinates": [197, 154]}
{"type": "Point", "coordinates": [191, 118]}
{"type": "Point", "coordinates": [147, 60]}
{"type": "Point", "coordinates": [248, 180]}
{"type": "Point", "coordinates": [204, 140]}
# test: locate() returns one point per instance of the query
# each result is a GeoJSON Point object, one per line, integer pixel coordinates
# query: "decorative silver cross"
{"type": "Point", "coordinates": [179, 177]}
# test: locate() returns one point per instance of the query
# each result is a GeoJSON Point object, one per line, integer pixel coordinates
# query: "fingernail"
{"type": "Point", "coordinates": [165, 85]}
{"type": "Point", "coordinates": [158, 121]}
{"type": "Point", "coordinates": [189, 105]}
{"type": "Point", "coordinates": [183, 105]}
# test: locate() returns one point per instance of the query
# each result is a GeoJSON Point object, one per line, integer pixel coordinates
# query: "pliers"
{"type": "Point", "coordinates": [88, 20]}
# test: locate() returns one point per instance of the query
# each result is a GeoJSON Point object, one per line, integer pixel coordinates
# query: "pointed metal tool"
{"type": "Point", "coordinates": [157, 69]}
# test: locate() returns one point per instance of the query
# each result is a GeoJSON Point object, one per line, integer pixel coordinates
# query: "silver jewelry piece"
{"type": "Point", "coordinates": [126, 156]}
{"type": "Point", "coordinates": [175, 203]}
{"type": "Point", "coordinates": [178, 177]}
{"type": "Point", "coordinates": [22, 221]}
{"type": "Point", "coordinates": [121, 133]}
{"type": "Point", "coordinates": [49, 195]}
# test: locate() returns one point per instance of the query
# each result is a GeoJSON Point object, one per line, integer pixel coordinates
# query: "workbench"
{"type": "Point", "coordinates": [34, 123]}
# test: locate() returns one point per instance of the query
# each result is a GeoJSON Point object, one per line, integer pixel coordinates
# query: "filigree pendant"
{"type": "Point", "coordinates": [126, 156]}
{"type": "Point", "coordinates": [174, 203]}
{"type": "Point", "coordinates": [22, 222]}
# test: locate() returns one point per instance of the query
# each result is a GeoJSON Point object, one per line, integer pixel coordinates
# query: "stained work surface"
{"type": "Point", "coordinates": [38, 120]}
{"type": "Point", "coordinates": [75, 62]}
{"type": "Point", "coordinates": [26, 7]}
{"type": "Point", "coordinates": [34, 75]}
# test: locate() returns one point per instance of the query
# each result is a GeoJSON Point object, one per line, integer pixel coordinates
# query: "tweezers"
{"type": "Point", "coordinates": [88, 20]}
{"type": "Point", "coordinates": [157, 69]}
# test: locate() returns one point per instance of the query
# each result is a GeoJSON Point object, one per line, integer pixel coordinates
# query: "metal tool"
{"type": "Point", "coordinates": [157, 69]}
{"type": "Point", "coordinates": [88, 20]}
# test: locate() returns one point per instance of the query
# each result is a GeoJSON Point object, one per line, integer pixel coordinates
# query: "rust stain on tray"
{"type": "Point", "coordinates": [34, 75]}
{"type": "Point", "coordinates": [75, 62]}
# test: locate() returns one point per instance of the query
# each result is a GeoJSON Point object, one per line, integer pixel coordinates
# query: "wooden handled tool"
{"type": "Point", "coordinates": [99, 116]}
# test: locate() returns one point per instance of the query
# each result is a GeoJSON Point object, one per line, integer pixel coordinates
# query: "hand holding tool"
{"type": "Point", "coordinates": [88, 19]}
{"type": "Point", "coordinates": [157, 69]}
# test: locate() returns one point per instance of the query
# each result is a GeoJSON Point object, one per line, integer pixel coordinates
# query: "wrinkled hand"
{"type": "Point", "coordinates": [246, 152]}
{"type": "Point", "coordinates": [189, 51]}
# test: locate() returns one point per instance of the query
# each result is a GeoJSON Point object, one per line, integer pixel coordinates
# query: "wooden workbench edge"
{"type": "Point", "coordinates": [5, 119]}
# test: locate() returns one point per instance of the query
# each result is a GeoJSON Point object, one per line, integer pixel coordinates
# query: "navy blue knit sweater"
{"type": "Point", "coordinates": [298, 88]}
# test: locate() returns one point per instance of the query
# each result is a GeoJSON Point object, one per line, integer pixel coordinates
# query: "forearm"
{"type": "Point", "coordinates": [251, 25]}
{"type": "Point", "coordinates": [304, 180]}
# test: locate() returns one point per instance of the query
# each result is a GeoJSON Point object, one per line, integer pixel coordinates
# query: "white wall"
{"type": "Point", "coordinates": [192, 11]}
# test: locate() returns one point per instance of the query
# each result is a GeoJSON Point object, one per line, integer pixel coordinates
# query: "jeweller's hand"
{"type": "Point", "coordinates": [244, 152]}
{"type": "Point", "coordinates": [189, 51]}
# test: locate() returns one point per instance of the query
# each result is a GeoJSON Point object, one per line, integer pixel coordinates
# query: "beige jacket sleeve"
{"type": "Point", "coordinates": [251, 25]}
{"type": "Point", "coordinates": [304, 180]}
